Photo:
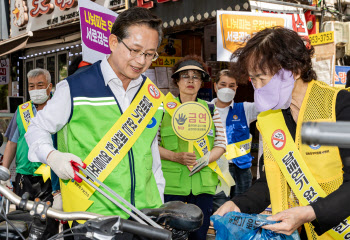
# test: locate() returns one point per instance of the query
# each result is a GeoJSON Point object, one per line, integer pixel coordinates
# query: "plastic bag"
{"type": "Point", "coordinates": [242, 226]}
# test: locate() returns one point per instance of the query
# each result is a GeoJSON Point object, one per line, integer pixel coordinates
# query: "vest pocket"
{"type": "Point", "coordinates": [148, 160]}
{"type": "Point", "coordinates": [208, 177]}
{"type": "Point", "coordinates": [169, 138]}
{"type": "Point", "coordinates": [172, 176]}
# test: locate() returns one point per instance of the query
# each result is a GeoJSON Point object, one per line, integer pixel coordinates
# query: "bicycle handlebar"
{"type": "Point", "coordinates": [123, 224]}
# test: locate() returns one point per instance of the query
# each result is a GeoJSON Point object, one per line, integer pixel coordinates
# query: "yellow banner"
{"type": "Point", "coordinates": [26, 112]}
{"type": "Point", "coordinates": [238, 149]}
{"type": "Point", "coordinates": [235, 29]}
{"type": "Point", "coordinates": [284, 150]}
{"type": "Point", "coordinates": [163, 61]}
{"type": "Point", "coordinates": [321, 38]}
{"type": "Point", "coordinates": [112, 148]}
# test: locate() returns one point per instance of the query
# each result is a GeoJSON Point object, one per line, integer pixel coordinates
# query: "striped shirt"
{"type": "Point", "coordinates": [220, 137]}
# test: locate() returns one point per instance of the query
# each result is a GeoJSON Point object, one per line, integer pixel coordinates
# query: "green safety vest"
{"type": "Point", "coordinates": [176, 175]}
{"type": "Point", "coordinates": [133, 177]}
{"type": "Point", "coordinates": [23, 165]}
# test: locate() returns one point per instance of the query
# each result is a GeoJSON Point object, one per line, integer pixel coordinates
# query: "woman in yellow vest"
{"type": "Point", "coordinates": [304, 184]}
{"type": "Point", "coordinates": [189, 74]}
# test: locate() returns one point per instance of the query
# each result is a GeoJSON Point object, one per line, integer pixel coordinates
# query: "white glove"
{"type": "Point", "coordinates": [61, 164]}
{"type": "Point", "coordinates": [57, 202]}
{"type": "Point", "coordinates": [7, 184]}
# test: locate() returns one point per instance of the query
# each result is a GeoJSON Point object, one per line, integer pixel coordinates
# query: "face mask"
{"type": "Point", "coordinates": [225, 94]}
{"type": "Point", "coordinates": [276, 94]}
{"type": "Point", "coordinates": [38, 96]}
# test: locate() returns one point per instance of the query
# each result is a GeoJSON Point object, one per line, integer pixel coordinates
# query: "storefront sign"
{"type": "Point", "coordinates": [31, 15]}
{"type": "Point", "coordinates": [165, 61]}
{"type": "Point", "coordinates": [340, 75]}
{"type": "Point", "coordinates": [4, 71]}
{"type": "Point", "coordinates": [298, 18]}
{"type": "Point", "coordinates": [177, 12]}
{"type": "Point", "coordinates": [234, 28]}
{"type": "Point", "coordinates": [95, 23]}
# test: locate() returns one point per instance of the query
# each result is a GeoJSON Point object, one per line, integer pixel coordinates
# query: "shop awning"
{"type": "Point", "coordinates": [14, 44]}
{"type": "Point", "coordinates": [39, 38]}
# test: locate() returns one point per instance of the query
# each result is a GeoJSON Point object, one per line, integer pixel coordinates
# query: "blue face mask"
{"type": "Point", "coordinates": [277, 93]}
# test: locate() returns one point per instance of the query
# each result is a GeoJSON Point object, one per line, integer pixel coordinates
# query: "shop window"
{"type": "Point", "coordinates": [62, 66]}
{"type": "Point", "coordinates": [40, 63]}
{"type": "Point", "coordinates": [51, 67]}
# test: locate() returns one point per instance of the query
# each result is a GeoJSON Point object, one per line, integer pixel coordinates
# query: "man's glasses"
{"type": "Point", "coordinates": [138, 53]}
{"type": "Point", "coordinates": [186, 78]}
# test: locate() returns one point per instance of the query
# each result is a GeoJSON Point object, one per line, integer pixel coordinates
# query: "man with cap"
{"type": "Point", "coordinates": [198, 189]}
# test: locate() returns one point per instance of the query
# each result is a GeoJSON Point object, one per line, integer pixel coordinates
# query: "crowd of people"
{"type": "Point", "coordinates": [152, 165]}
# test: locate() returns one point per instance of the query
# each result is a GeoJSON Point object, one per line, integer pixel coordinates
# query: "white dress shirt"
{"type": "Point", "coordinates": [57, 112]}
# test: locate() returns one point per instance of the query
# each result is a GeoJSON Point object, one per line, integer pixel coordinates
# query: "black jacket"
{"type": "Point", "coordinates": [331, 210]}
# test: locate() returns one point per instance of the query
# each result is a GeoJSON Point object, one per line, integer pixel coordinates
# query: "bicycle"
{"type": "Point", "coordinates": [174, 220]}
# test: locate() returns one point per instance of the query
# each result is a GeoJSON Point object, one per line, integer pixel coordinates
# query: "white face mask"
{"type": "Point", "coordinates": [39, 96]}
{"type": "Point", "coordinates": [225, 94]}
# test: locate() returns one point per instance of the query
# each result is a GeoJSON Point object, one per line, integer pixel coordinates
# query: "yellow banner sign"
{"type": "Point", "coordinates": [321, 38]}
{"type": "Point", "coordinates": [235, 29]}
{"type": "Point", "coordinates": [163, 61]}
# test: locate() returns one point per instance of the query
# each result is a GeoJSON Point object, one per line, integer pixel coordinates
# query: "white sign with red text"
{"type": "Point", "coordinates": [298, 17]}
{"type": "Point", "coordinates": [4, 71]}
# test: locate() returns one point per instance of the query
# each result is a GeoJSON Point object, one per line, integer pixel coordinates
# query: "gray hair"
{"type": "Point", "coordinates": [39, 71]}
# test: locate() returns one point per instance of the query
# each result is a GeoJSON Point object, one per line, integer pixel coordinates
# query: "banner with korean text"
{"type": "Point", "coordinates": [96, 24]}
{"type": "Point", "coordinates": [32, 15]}
{"type": "Point", "coordinates": [234, 27]}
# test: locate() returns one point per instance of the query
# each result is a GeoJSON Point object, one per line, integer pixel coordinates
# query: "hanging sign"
{"type": "Point", "coordinates": [234, 28]}
{"type": "Point", "coordinates": [95, 23]}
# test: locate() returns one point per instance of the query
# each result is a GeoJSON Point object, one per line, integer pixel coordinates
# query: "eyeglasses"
{"type": "Point", "coordinates": [138, 53]}
{"type": "Point", "coordinates": [187, 77]}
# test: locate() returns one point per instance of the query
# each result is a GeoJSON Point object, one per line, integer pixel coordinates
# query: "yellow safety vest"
{"type": "Point", "coordinates": [323, 163]}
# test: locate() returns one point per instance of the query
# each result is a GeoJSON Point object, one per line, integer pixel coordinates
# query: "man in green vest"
{"type": "Point", "coordinates": [107, 117]}
{"type": "Point", "coordinates": [39, 87]}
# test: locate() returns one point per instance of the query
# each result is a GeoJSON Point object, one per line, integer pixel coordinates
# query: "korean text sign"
{"type": "Point", "coordinates": [96, 23]}
{"type": "Point", "coordinates": [4, 71]}
{"type": "Point", "coordinates": [234, 28]}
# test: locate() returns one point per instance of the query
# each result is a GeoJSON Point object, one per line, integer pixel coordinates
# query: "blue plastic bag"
{"type": "Point", "coordinates": [242, 226]}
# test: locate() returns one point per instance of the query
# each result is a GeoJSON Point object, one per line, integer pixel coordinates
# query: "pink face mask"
{"type": "Point", "coordinates": [276, 94]}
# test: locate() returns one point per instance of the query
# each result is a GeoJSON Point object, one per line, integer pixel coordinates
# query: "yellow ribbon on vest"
{"type": "Point", "coordinates": [238, 149]}
{"type": "Point", "coordinates": [226, 180]}
{"type": "Point", "coordinates": [26, 113]}
{"type": "Point", "coordinates": [130, 126]}
{"type": "Point", "coordinates": [293, 167]}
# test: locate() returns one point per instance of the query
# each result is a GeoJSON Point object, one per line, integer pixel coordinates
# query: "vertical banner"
{"type": "Point", "coordinates": [4, 71]}
{"type": "Point", "coordinates": [234, 28]}
{"type": "Point", "coordinates": [96, 24]}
